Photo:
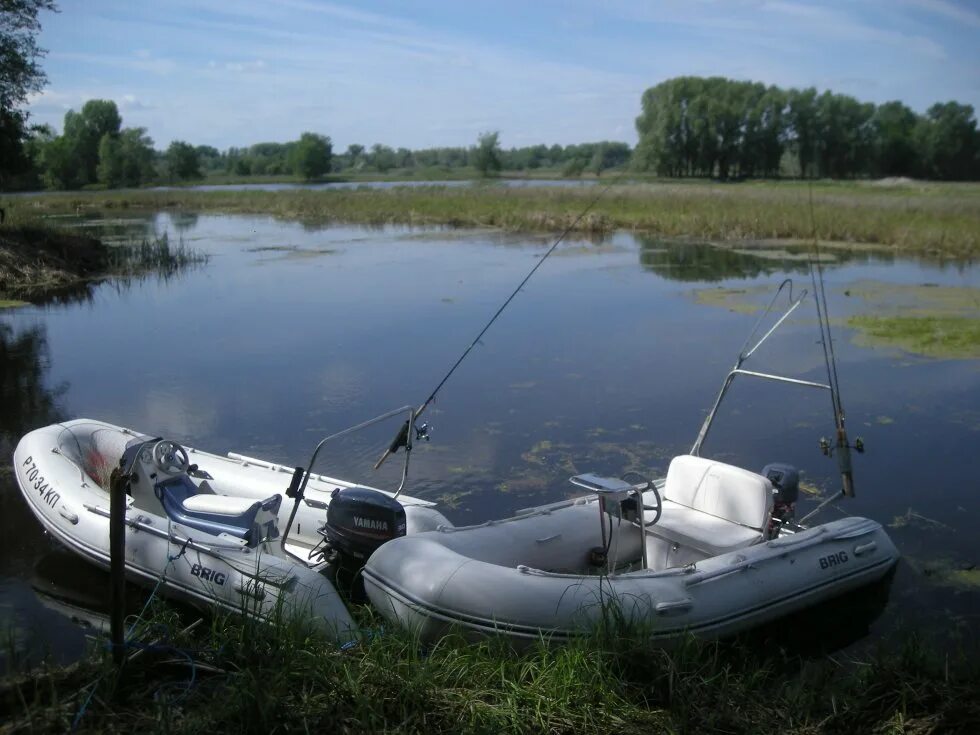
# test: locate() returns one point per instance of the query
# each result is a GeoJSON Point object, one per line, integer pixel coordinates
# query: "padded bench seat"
{"type": "Point", "coordinates": [713, 507]}
{"type": "Point", "coordinates": [224, 505]}
{"type": "Point", "coordinates": [702, 531]}
{"type": "Point", "coordinates": [248, 519]}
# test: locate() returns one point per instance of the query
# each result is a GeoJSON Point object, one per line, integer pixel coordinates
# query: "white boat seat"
{"type": "Point", "coordinates": [702, 531]}
{"type": "Point", "coordinates": [248, 519]}
{"type": "Point", "coordinates": [712, 506]}
{"type": "Point", "coordinates": [225, 505]}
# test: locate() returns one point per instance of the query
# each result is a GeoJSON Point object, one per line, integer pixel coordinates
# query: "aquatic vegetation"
{"type": "Point", "coordinates": [949, 573]}
{"type": "Point", "coordinates": [739, 300]}
{"type": "Point", "coordinates": [941, 219]}
{"type": "Point", "coordinates": [943, 337]}
{"type": "Point", "coordinates": [11, 303]}
{"type": "Point", "coordinates": [926, 299]}
{"type": "Point", "coordinates": [37, 260]}
{"type": "Point", "coordinates": [917, 520]}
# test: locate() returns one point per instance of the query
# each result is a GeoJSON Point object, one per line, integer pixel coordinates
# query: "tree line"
{"type": "Point", "coordinates": [486, 157]}
{"type": "Point", "coordinates": [94, 148]}
{"type": "Point", "coordinates": [688, 126]}
{"type": "Point", "coordinates": [716, 127]}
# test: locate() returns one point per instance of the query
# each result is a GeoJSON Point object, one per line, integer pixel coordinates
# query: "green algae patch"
{"type": "Point", "coordinates": [11, 303]}
{"type": "Point", "coordinates": [738, 300]}
{"type": "Point", "coordinates": [942, 337]}
{"type": "Point", "coordinates": [965, 578]}
{"type": "Point", "coordinates": [948, 573]}
{"type": "Point", "coordinates": [925, 299]}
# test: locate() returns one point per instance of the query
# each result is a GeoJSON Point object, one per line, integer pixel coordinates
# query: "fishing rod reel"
{"type": "Point", "coordinates": [827, 448]}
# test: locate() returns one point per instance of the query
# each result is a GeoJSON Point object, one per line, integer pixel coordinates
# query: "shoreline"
{"type": "Point", "coordinates": [239, 675]}
{"type": "Point", "coordinates": [38, 262]}
{"type": "Point", "coordinates": [940, 220]}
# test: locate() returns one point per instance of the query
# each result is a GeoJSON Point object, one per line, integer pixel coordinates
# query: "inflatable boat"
{"type": "Point", "coordinates": [211, 530]}
{"type": "Point", "coordinates": [711, 549]}
{"type": "Point", "coordinates": [710, 565]}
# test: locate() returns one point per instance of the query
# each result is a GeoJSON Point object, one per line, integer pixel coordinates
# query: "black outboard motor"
{"type": "Point", "coordinates": [785, 479]}
{"type": "Point", "coordinates": [359, 521]}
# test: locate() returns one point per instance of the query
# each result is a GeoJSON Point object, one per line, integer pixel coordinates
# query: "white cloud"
{"type": "Point", "coordinates": [245, 66]}
{"type": "Point", "coordinates": [130, 102]}
{"type": "Point", "coordinates": [254, 70]}
{"type": "Point", "coordinates": [827, 23]}
{"type": "Point", "coordinates": [951, 11]}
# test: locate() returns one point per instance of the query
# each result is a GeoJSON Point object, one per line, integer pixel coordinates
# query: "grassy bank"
{"type": "Point", "coordinates": [940, 219]}
{"type": "Point", "coordinates": [234, 676]}
{"type": "Point", "coordinates": [36, 261]}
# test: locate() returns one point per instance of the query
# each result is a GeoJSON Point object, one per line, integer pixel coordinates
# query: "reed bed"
{"type": "Point", "coordinates": [922, 218]}
{"type": "Point", "coordinates": [37, 260]}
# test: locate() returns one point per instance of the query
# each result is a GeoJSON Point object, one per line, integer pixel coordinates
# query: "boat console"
{"type": "Point", "coordinates": [161, 475]}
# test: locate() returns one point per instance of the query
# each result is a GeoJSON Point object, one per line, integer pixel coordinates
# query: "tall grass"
{"type": "Point", "coordinates": [38, 261]}
{"type": "Point", "coordinates": [238, 675]}
{"type": "Point", "coordinates": [926, 218]}
{"type": "Point", "coordinates": [152, 256]}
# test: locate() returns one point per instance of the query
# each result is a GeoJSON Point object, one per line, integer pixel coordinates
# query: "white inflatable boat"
{"type": "Point", "coordinates": [712, 565]}
{"type": "Point", "coordinates": [214, 529]}
{"type": "Point", "coordinates": [711, 549]}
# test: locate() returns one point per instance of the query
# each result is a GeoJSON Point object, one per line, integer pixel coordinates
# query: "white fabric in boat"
{"type": "Point", "coordinates": [219, 504]}
{"type": "Point", "coordinates": [713, 506]}
{"type": "Point", "coordinates": [702, 531]}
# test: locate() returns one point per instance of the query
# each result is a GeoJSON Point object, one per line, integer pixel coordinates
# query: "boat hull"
{"type": "Point", "coordinates": [187, 565]}
{"type": "Point", "coordinates": [431, 584]}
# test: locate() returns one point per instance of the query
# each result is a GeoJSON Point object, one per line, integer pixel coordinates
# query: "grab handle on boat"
{"type": "Point", "coordinates": [72, 518]}
{"type": "Point", "coordinates": [546, 539]}
{"type": "Point", "coordinates": [664, 608]}
{"type": "Point", "coordinates": [251, 589]}
{"type": "Point", "coordinates": [865, 548]}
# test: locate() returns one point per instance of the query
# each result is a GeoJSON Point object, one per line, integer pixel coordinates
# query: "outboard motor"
{"type": "Point", "coordinates": [359, 520]}
{"type": "Point", "coordinates": [785, 479]}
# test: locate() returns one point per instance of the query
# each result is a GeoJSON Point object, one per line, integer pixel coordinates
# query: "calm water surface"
{"type": "Point", "coordinates": [607, 361]}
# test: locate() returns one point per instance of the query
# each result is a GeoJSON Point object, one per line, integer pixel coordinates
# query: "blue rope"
{"type": "Point", "coordinates": [163, 578]}
{"type": "Point", "coordinates": [129, 643]}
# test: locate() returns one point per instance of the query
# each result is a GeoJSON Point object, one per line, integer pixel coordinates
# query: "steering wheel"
{"type": "Point", "coordinates": [170, 457]}
{"type": "Point", "coordinates": [647, 485]}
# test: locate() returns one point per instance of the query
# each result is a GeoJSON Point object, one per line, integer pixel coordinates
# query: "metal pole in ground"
{"type": "Point", "coordinates": [117, 563]}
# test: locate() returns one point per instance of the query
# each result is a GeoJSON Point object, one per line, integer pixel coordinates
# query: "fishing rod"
{"type": "Point", "coordinates": [841, 446]}
{"type": "Point", "coordinates": [402, 438]}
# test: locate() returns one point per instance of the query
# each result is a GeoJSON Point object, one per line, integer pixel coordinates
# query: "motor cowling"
{"type": "Point", "coordinates": [785, 479]}
{"type": "Point", "coordinates": [359, 520]}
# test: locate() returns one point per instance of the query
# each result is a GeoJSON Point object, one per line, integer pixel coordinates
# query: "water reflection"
{"type": "Point", "coordinates": [27, 399]}
{"type": "Point", "coordinates": [705, 262]}
{"type": "Point", "coordinates": [184, 221]}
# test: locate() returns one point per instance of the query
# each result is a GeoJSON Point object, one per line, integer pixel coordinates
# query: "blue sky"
{"type": "Point", "coordinates": [435, 72]}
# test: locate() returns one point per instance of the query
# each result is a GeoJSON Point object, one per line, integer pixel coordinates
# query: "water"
{"type": "Point", "coordinates": [607, 361]}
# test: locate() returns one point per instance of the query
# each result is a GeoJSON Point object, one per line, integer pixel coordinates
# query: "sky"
{"type": "Point", "coordinates": [439, 72]}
